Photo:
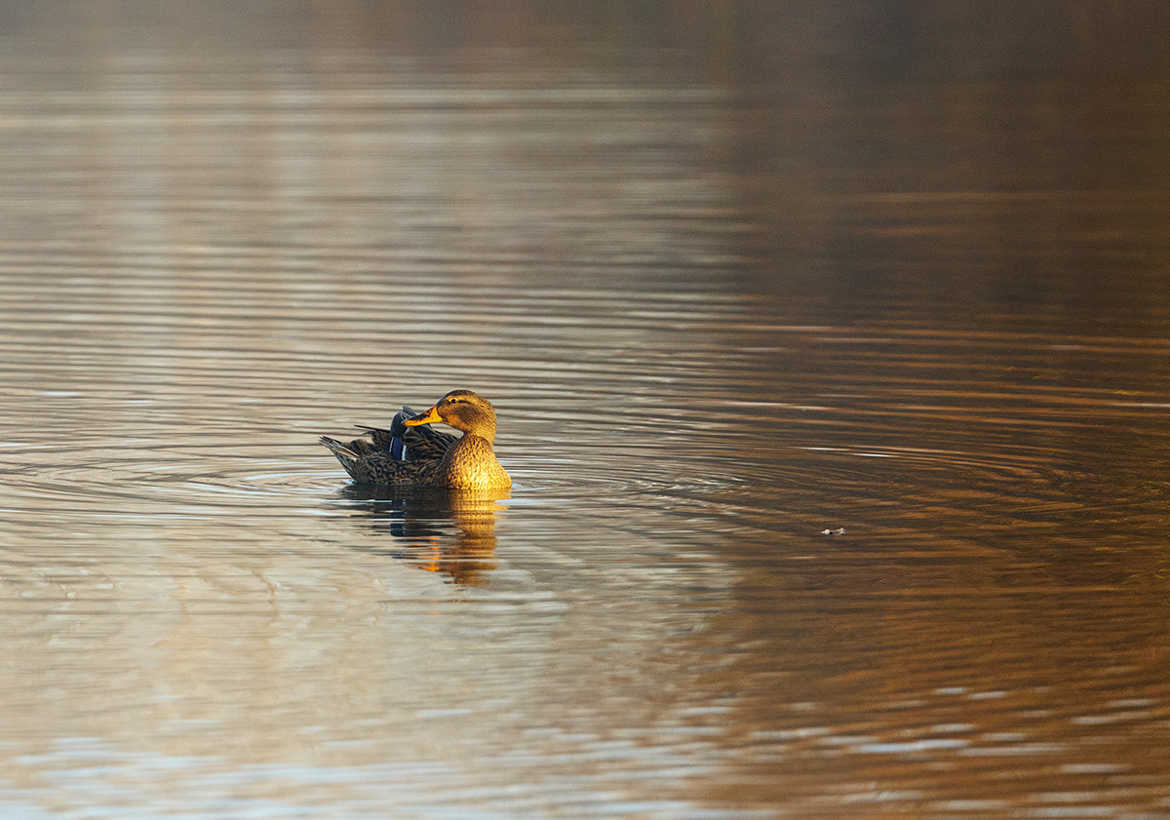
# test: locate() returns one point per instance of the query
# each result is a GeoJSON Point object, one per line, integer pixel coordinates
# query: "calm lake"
{"type": "Point", "coordinates": [830, 350]}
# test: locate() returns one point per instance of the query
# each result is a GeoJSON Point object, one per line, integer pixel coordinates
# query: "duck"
{"type": "Point", "coordinates": [413, 454]}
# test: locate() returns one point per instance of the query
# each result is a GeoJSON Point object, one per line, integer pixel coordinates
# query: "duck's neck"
{"type": "Point", "coordinates": [488, 434]}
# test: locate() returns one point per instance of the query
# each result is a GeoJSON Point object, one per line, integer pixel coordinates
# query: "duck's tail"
{"type": "Point", "coordinates": [346, 456]}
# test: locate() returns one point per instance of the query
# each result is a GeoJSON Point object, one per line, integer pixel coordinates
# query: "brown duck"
{"type": "Point", "coordinates": [411, 454]}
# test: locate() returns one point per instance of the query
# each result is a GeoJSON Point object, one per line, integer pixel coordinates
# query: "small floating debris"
{"type": "Point", "coordinates": [837, 531]}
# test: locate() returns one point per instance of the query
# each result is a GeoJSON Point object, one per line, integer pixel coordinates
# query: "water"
{"type": "Point", "coordinates": [829, 352]}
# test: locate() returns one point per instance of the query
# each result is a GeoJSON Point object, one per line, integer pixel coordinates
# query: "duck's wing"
{"type": "Point", "coordinates": [366, 465]}
{"type": "Point", "coordinates": [381, 439]}
{"type": "Point", "coordinates": [422, 443]}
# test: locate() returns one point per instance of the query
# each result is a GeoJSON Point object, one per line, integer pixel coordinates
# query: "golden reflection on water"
{"type": "Point", "coordinates": [425, 518]}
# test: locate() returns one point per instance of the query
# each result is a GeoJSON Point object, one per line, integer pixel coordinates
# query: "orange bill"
{"type": "Point", "coordinates": [428, 417]}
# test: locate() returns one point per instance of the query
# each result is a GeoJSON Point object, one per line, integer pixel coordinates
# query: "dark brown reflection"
{"type": "Point", "coordinates": [441, 531]}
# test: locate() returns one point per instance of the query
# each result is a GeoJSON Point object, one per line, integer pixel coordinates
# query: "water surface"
{"type": "Point", "coordinates": [832, 377]}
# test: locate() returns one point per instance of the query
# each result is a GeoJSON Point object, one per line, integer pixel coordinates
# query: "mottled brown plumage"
{"type": "Point", "coordinates": [431, 458]}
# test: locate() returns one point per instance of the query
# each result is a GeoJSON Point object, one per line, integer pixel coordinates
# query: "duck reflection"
{"type": "Point", "coordinates": [444, 531]}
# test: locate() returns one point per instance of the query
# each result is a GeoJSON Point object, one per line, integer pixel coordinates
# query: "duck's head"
{"type": "Point", "coordinates": [462, 409]}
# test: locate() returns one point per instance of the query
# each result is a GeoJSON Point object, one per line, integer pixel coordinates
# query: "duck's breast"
{"type": "Point", "coordinates": [472, 464]}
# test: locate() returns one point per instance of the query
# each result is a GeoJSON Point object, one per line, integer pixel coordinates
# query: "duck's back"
{"type": "Point", "coordinates": [399, 455]}
{"type": "Point", "coordinates": [419, 443]}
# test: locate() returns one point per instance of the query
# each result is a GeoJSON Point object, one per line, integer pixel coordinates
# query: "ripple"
{"type": "Point", "coordinates": [986, 465]}
{"type": "Point", "coordinates": [598, 479]}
